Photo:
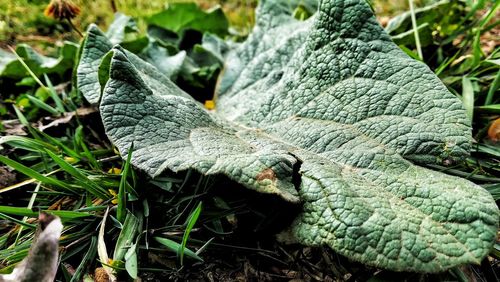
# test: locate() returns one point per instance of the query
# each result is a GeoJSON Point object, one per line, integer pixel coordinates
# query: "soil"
{"type": "Point", "coordinates": [7, 177]}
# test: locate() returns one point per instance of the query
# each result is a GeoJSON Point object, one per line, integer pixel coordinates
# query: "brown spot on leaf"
{"type": "Point", "coordinates": [267, 173]}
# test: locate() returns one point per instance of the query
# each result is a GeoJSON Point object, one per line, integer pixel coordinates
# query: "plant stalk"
{"type": "Point", "coordinates": [74, 27]}
{"type": "Point", "coordinates": [415, 30]}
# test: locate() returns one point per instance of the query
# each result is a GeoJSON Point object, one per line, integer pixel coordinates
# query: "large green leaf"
{"type": "Point", "coordinates": [179, 16]}
{"type": "Point", "coordinates": [96, 45]}
{"type": "Point", "coordinates": [11, 67]}
{"type": "Point", "coordinates": [121, 25]}
{"type": "Point", "coordinates": [328, 112]}
{"type": "Point", "coordinates": [160, 58]}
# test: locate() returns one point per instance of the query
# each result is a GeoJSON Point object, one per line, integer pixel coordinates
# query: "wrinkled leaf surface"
{"type": "Point", "coordinates": [330, 113]}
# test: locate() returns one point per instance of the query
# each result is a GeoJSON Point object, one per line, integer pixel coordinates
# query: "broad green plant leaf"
{"type": "Point", "coordinates": [160, 58]}
{"type": "Point", "coordinates": [94, 48]}
{"type": "Point", "coordinates": [5, 59]}
{"type": "Point", "coordinates": [121, 25]}
{"type": "Point", "coordinates": [10, 66]}
{"type": "Point", "coordinates": [179, 16]}
{"type": "Point", "coordinates": [217, 47]}
{"type": "Point", "coordinates": [328, 112]}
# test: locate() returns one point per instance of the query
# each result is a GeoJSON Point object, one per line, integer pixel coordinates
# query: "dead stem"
{"type": "Point", "coordinates": [74, 27]}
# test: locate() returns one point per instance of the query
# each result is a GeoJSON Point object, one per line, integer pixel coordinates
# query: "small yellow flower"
{"type": "Point", "coordinates": [114, 170]}
{"type": "Point", "coordinates": [209, 104]}
{"type": "Point", "coordinates": [70, 160]}
{"type": "Point", "coordinates": [114, 194]}
{"type": "Point", "coordinates": [62, 9]}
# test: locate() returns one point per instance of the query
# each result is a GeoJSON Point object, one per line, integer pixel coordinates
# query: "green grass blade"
{"type": "Point", "coordinates": [175, 247]}
{"type": "Point", "coordinates": [478, 5]}
{"type": "Point", "coordinates": [468, 96]}
{"type": "Point", "coordinates": [126, 237]}
{"type": "Point", "coordinates": [64, 215]}
{"type": "Point", "coordinates": [92, 208]}
{"type": "Point", "coordinates": [494, 190]}
{"type": "Point", "coordinates": [415, 30]}
{"type": "Point", "coordinates": [493, 88]}
{"type": "Point", "coordinates": [459, 274]}
{"type": "Point", "coordinates": [122, 195]}
{"type": "Point", "coordinates": [490, 15]}
{"type": "Point", "coordinates": [64, 148]}
{"type": "Point", "coordinates": [26, 143]}
{"type": "Point", "coordinates": [42, 105]}
{"type": "Point", "coordinates": [18, 211]}
{"type": "Point", "coordinates": [91, 186]}
{"type": "Point", "coordinates": [24, 121]}
{"type": "Point", "coordinates": [87, 259]}
{"type": "Point", "coordinates": [494, 151]}
{"type": "Point", "coordinates": [79, 140]}
{"type": "Point", "coordinates": [477, 53]}
{"type": "Point", "coordinates": [33, 174]}
{"type": "Point", "coordinates": [193, 217]}
{"type": "Point", "coordinates": [70, 215]}
{"type": "Point", "coordinates": [468, 175]}
{"type": "Point", "coordinates": [66, 166]}
{"type": "Point", "coordinates": [493, 109]}
{"type": "Point", "coordinates": [27, 68]}
{"type": "Point", "coordinates": [53, 94]}
{"type": "Point", "coordinates": [446, 63]}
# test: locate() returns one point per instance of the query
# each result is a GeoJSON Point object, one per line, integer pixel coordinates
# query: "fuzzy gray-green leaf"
{"type": "Point", "coordinates": [96, 45]}
{"type": "Point", "coordinates": [334, 103]}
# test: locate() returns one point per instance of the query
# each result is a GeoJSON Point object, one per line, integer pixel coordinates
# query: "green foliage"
{"type": "Point", "coordinates": [195, 71]}
{"type": "Point", "coordinates": [177, 248]}
{"type": "Point", "coordinates": [358, 175]}
{"type": "Point", "coordinates": [11, 67]}
{"type": "Point", "coordinates": [127, 236]}
{"type": "Point", "coordinates": [191, 221]}
{"type": "Point", "coordinates": [442, 16]}
{"type": "Point", "coordinates": [329, 123]}
{"type": "Point", "coordinates": [181, 16]}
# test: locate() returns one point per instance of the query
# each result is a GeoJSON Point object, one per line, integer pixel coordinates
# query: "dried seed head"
{"type": "Point", "coordinates": [100, 275]}
{"type": "Point", "coordinates": [494, 130]}
{"type": "Point", "coordinates": [62, 9]}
